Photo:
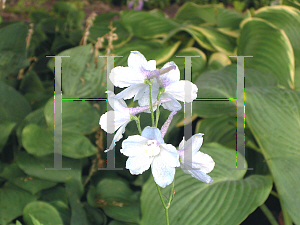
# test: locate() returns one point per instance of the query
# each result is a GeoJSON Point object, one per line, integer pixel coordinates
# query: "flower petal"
{"type": "Point", "coordinates": [131, 91]}
{"type": "Point", "coordinates": [117, 137]}
{"type": "Point", "coordinates": [143, 96]}
{"type": "Point", "coordinates": [125, 76]}
{"type": "Point", "coordinates": [112, 120]}
{"type": "Point", "coordinates": [133, 145]}
{"type": "Point", "coordinates": [163, 174]}
{"type": "Point", "coordinates": [203, 162]}
{"type": "Point", "coordinates": [198, 174]}
{"type": "Point", "coordinates": [182, 90]}
{"type": "Point", "coordinates": [194, 144]}
{"type": "Point", "coordinates": [170, 155]}
{"type": "Point", "coordinates": [151, 65]}
{"type": "Point", "coordinates": [138, 164]}
{"type": "Point", "coordinates": [171, 76]}
{"type": "Point", "coordinates": [172, 105]}
{"type": "Point", "coordinates": [152, 133]}
{"type": "Point", "coordinates": [137, 62]}
{"type": "Point", "coordinates": [116, 104]}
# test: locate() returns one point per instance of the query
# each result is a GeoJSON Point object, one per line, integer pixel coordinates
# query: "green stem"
{"type": "Point", "coordinates": [268, 214]}
{"type": "Point", "coordinates": [150, 103]}
{"type": "Point", "coordinates": [274, 194]}
{"type": "Point", "coordinates": [165, 207]}
{"type": "Point", "coordinates": [157, 109]}
{"type": "Point", "coordinates": [171, 195]}
{"type": "Point", "coordinates": [138, 126]}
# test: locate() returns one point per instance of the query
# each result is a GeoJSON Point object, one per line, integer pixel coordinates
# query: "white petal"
{"type": "Point", "coordinates": [138, 164]}
{"type": "Point", "coordinates": [172, 105]}
{"type": "Point", "coordinates": [163, 174]}
{"type": "Point", "coordinates": [151, 65]}
{"type": "Point", "coordinates": [131, 91]}
{"type": "Point", "coordinates": [117, 137]}
{"type": "Point", "coordinates": [182, 143]}
{"type": "Point", "coordinates": [170, 155]}
{"type": "Point", "coordinates": [134, 145]}
{"type": "Point", "coordinates": [198, 174]}
{"type": "Point", "coordinates": [152, 133]}
{"type": "Point", "coordinates": [116, 104]}
{"type": "Point", "coordinates": [112, 120]}
{"type": "Point", "coordinates": [171, 76]}
{"type": "Point", "coordinates": [193, 144]}
{"type": "Point", "coordinates": [125, 76]}
{"type": "Point", "coordinates": [182, 90]}
{"type": "Point", "coordinates": [137, 61]}
{"type": "Point", "coordinates": [203, 162]}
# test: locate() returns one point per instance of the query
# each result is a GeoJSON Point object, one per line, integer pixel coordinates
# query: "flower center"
{"type": "Point", "coordinates": [152, 148]}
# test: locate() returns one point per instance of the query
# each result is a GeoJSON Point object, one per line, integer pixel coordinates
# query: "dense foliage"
{"type": "Point", "coordinates": [29, 194]}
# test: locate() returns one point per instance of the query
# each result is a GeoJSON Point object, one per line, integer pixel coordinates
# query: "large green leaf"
{"type": "Point", "coordinates": [74, 191]}
{"type": "Point", "coordinates": [118, 202]}
{"type": "Point", "coordinates": [13, 106]}
{"type": "Point", "coordinates": [221, 129]}
{"type": "Point", "coordinates": [80, 76]}
{"type": "Point", "coordinates": [17, 177]}
{"type": "Point", "coordinates": [137, 21]}
{"type": "Point", "coordinates": [44, 212]}
{"type": "Point", "coordinates": [271, 50]}
{"type": "Point", "coordinates": [40, 142]}
{"type": "Point", "coordinates": [12, 202]}
{"type": "Point", "coordinates": [273, 115]}
{"type": "Point", "coordinates": [77, 116]}
{"type": "Point", "coordinates": [36, 166]}
{"type": "Point", "coordinates": [13, 55]}
{"type": "Point", "coordinates": [287, 19]}
{"type": "Point", "coordinates": [221, 84]}
{"type": "Point", "coordinates": [228, 200]}
{"type": "Point", "coordinates": [6, 128]}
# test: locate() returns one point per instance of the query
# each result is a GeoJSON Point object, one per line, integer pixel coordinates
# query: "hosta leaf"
{"type": "Point", "coordinates": [35, 166]}
{"type": "Point", "coordinates": [12, 202]}
{"type": "Point", "coordinates": [43, 212]}
{"type": "Point", "coordinates": [13, 106]}
{"type": "Point", "coordinates": [273, 115]}
{"type": "Point", "coordinates": [287, 19]}
{"type": "Point", "coordinates": [13, 55]}
{"type": "Point", "coordinates": [80, 77]}
{"type": "Point", "coordinates": [157, 26]}
{"type": "Point", "coordinates": [119, 202]}
{"type": "Point", "coordinates": [198, 203]}
{"type": "Point", "coordinates": [271, 50]}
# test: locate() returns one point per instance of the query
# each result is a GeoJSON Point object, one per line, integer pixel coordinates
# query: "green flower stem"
{"type": "Point", "coordinates": [165, 207]}
{"type": "Point", "coordinates": [268, 214]}
{"type": "Point", "coordinates": [161, 90]}
{"type": "Point", "coordinates": [274, 194]}
{"type": "Point", "coordinates": [171, 195]}
{"type": "Point", "coordinates": [137, 121]}
{"type": "Point", "coordinates": [150, 103]}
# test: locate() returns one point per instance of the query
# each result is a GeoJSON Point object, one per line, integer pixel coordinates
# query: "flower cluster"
{"type": "Point", "coordinates": [153, 87]}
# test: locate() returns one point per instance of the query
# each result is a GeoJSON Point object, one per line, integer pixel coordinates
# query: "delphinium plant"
{"type": "Point", "coordinates": [153, 88]}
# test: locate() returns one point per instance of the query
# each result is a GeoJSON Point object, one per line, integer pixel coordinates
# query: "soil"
{"type": "Point", "coordinates": [9, 14]}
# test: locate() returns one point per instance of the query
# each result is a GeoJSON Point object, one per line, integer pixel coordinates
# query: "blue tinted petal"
{"type": "Point", "coordinates": [152, 133]}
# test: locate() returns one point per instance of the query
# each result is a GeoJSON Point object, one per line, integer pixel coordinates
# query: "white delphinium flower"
{"type": "Point", "coordinates": [148, 149]}
{"type": "Point", "coordinates": [201, 163]}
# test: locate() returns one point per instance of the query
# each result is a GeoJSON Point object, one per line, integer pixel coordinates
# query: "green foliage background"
{"type": "Point", "coordinates": [29, 194]}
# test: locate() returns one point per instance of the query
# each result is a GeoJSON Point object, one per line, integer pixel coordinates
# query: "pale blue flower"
{"type": "Point", "coordinates": [118, 118]}
{"type": "Point", "coordinates": [149, 149]}
{"type": "Point", "coordinates": [201, 163]}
